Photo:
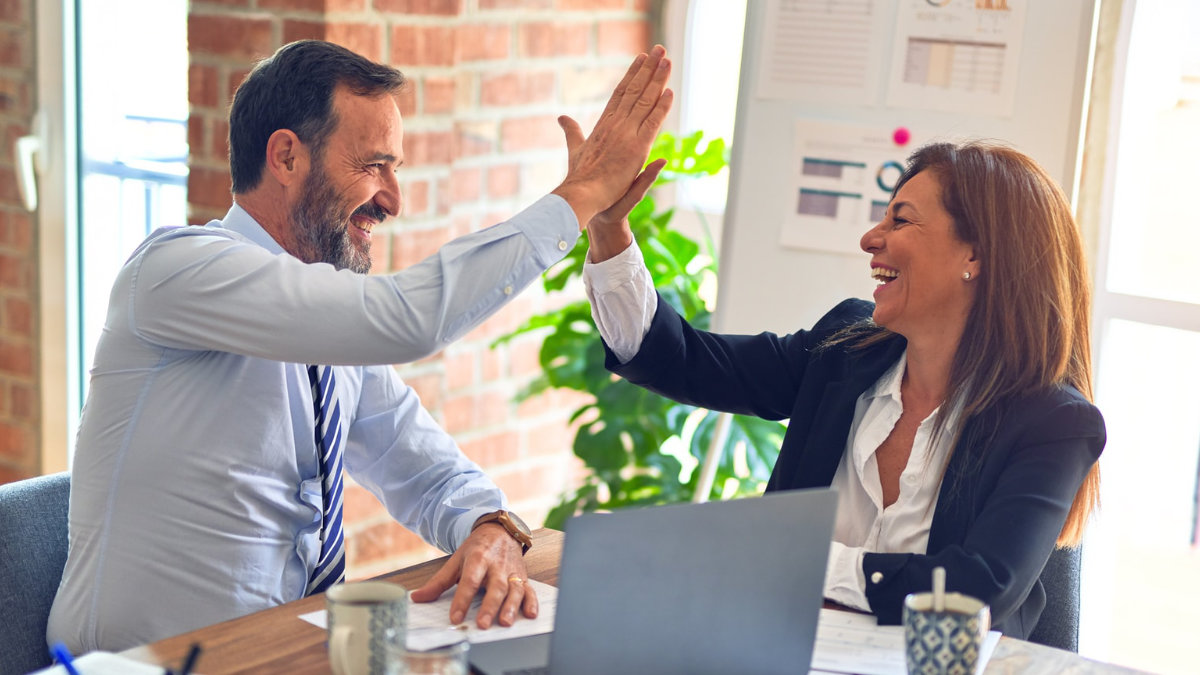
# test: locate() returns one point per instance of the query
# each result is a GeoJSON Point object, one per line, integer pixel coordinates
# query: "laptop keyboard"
{"type": "Point", "coordinates": [537, 670]}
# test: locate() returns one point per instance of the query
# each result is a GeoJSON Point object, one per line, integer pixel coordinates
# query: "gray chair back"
{"type": "Point", "coordinates": [1059, 623]}
{"type": "Point", "coordinates": [33, 551]}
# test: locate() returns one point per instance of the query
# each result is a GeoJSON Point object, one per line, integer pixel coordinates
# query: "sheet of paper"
{"type": "Point", "coordinates": [853, 643]}
{"type": "Point", "coordinates": [843, 175]}
{"type": "Point", "coordinates": [957, 55]}
{"type": "Point", "coordinates": [429, 623]}
{"type": "Point", "coordinates": [821, 51]}
{"type": "Point", "coordinates": [105, 663]}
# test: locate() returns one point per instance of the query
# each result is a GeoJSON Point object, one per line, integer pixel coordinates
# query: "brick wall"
{"type": "Point", "coordinates": [19, 413]}
{"type": "Point", "coordinates": [488, 78]}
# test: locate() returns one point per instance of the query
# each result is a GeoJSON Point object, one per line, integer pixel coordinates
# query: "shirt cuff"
{"type": "Point", "coordinates": [550, 224]}
{"type": "Point", "coordinates": [845, 582]}
{"type": "Point", "coordinates": [621, 292]}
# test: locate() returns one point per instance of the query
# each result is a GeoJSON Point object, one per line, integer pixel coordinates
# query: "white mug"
{"type": "Point", "coordinates": [366, 622]}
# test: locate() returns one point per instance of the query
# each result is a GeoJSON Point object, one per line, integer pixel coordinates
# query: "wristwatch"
{"type": "Point", "coordinates": [513, 524]}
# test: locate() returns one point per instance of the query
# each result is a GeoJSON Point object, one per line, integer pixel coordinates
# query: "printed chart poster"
{"type": "Point", "coordinates": [843, 179]}
{"type": "Point", "coordinates": [822, 51]}
{"type": "Point", "coordinates": [957, 55]}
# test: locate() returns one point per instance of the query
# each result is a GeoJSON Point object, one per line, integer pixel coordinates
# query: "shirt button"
{"type": "Point", "coordinates": [876, 577]}
{"type": "Point", "coordinates": [562, 245]}
{"type": "Point", "coordinates": [508, 290]}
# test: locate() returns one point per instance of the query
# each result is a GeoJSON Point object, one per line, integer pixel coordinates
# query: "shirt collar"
{"type": "Point", "coordinates": [888, 384]}
{"type": "Point", "coordinates": [238, 220]}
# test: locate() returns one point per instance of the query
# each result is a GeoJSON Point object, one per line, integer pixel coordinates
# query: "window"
{"type": "Point", "coordinates": [1141, 562]}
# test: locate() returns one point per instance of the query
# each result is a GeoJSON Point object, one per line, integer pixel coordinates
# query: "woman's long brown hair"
{"type": "Point", "coordinates": [1030, 326]}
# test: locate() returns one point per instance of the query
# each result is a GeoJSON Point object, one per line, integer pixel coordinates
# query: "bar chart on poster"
{"type": "Point", "coordinates": [833, 98]}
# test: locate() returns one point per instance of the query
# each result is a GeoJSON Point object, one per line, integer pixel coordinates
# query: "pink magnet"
{"type": "Point", "coordinates": [901, 136]}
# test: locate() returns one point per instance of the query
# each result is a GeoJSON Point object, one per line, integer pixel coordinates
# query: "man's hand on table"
{"type": "Point", "coordinates": [490, 559]}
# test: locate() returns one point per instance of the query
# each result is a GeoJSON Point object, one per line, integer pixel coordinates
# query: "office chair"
{"type": "Point", "coordinates": [1059, 624]}
{"type": "Point", "coordinates": [33, 551]}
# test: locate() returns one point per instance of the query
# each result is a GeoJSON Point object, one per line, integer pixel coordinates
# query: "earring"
{"type": "Point", "coordinates": [966, 276]}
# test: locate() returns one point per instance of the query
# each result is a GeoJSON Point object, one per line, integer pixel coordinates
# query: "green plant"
{"type": "Point", "coordinates": [640, 448]}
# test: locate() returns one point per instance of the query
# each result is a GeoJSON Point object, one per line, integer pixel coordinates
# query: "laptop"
{"type": "Point", "coordinates": [719, 587]}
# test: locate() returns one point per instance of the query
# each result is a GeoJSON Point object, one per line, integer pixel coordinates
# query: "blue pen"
{"type": "Point", "coordinates": [58, 651]}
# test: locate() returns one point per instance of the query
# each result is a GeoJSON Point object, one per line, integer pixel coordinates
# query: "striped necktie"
{"type": "Point", "coordinates": [331, 568]}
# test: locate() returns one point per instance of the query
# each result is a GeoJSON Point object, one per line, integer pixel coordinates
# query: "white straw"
{"type": "Point", "coordinates": [939, 589]}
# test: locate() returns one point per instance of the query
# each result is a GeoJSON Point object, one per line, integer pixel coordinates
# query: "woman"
{"type": "Point", "coordinates": [952, 415]}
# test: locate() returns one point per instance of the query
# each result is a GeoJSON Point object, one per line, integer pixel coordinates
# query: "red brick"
{"type": "Point", "coordinates": [412, 246]}
{"type": "Point", "coordinates": [8, 182]}
{"type": "Point", "coordinates": [466, 185]}
{"type": "Point", "coordinates": [483, 42]}
{"type": "Point", "coordinates": [418, 7]}
{"type": "Point", "coordinates": [474, 138]}
{"type": "Point", "coordinates": [14, 442]}
{"type": "Point", "coordinates": [532, 482]}
{"type": "Point", "coordinates": [13, 48]}
{"type": "Point", "coordinates": [622, 37]}
{"type": "Point", "coordinates": [14, 273]}
{"type": "Point", "coordinates": [422, 46]}
{"type": "Point", "coordinates": [380, 542]}
{"type": "Point", "coordinates": [526, 5]}
{"type": "Point", "coordinates": [416, 198]}
{"type": "Point", "coordinates": [589, 5]}
{"type": "Point", "coordinates": [503, 181]}
{"type": "Point", "coordinates": [12, 474]}
{"type": "Point", "coordinates": [16, 358]}
{"type": "Point", "coordinates": [552, 439]}
{"type": "Point", "coordinates": [220, 140]}
{"type": "Point", "coordinates": [241, 37]}
{"type": "Point", "coordinates": [236, 77]}
{"type": "Point", "coordinates": [406, 99]}
{"type": "Point", "coordinates": [460, 370]}
{"type": "Point", "coordinates": [13, 11]}
{"type": "Point", "coordinates": [344, 5]}
{"type": "Point", "coordinates": [444, 202]}
{"type": "Point", "coordinates": [550, 39]}
{"type": "Point", "coordinates": [359, 505]}
{"type": "Point", "coordinates": [15, 96]}
{"type": "Point", "coordinates": [18, 317]}
{"type": "Point", "coordinates": [428, 148]}
{"type": "Point", "coordinates": [209, 187]}
{"type": "Point", "coordinates": [517, 88]}
{"type": "Point", "coordinates": [296, 29]}
{"type": "Point", "coordinates": [360, 38]}
{"type": "Point", "coordinates": [524, 356]}
{"type": "Point", "coordinates": [202, 85]}
{"type": "Point", "coordinates": [381, 250]}
{"type": "Point", "coordinates": [459, 413]}
{"type": "Point", "coordinates": [439, 95]}
{"type": "Point", "coordinates": [492, 366]}
{"type": "Point", "coordinates": [197, 132]}
{"type": "Point", "coordinates": [429, 389]}
{"type": "Point", "coordinates": [293, 5]}
{"type": "Point", "coordinates": [526, 133]}
{"type": "Point", "coordinates": [493, 408]}
{"type": "Point", "coordinates": [493, 449]}
{"type": "Point", "coordinates": [22, 401]}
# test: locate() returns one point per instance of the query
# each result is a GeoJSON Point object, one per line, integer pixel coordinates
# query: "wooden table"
{"type": "Point", "coordinates": [276, 640]}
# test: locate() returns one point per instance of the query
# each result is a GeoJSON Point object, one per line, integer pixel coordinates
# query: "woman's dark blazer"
{"type": "Point", "coordinates": [1006, 490]}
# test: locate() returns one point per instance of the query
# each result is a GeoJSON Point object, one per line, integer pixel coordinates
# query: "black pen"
{"type": "Point", "coordinates": [190, 661]}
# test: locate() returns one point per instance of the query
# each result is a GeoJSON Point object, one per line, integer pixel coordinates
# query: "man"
{"type": "Point", "coordinates": [207, 475]}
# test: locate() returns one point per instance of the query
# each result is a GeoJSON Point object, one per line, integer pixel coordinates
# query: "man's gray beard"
{"type": "Point", "coordinates": [315, 220]}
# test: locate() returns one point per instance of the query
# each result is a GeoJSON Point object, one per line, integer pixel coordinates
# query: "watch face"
{"type": "Point", "coordinates": [520, 524]}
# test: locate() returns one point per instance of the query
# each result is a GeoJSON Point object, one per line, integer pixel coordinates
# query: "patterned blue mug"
{"type": "Point", "coordinates": [946, 642]}
{"type": "Point", "coordinates": [366, 620]}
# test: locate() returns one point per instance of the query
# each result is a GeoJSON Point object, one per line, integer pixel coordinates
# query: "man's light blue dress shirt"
{"type": "Point", "coordinates": [195, 494]}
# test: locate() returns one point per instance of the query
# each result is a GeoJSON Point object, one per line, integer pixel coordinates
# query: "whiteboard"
{"type": "Point", "coordinates": [767, 285]}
